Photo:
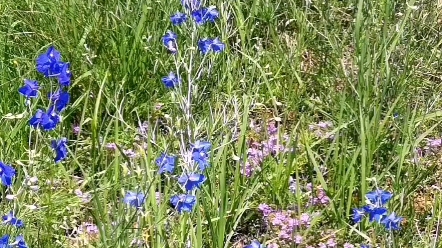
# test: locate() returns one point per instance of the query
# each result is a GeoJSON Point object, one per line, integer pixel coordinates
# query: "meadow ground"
{"type": "Point", "coordinates": [238, 123]}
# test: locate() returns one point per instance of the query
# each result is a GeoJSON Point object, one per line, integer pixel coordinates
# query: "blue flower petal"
{"type": "Point", "coordinates": [30, 89]}
{"type": "Point", "coordinates": [178, 19]}
{"type": "Point", "coordinates": [7, 174]}
{"type": "Point", "coordinates": [61, 149]}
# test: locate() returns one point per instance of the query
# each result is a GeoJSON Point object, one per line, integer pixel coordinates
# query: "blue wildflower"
{"type": "Point", "coordinates": [201, 158]}
{"type": "Point", "coordinates": [60, 99]}
{"type": "Point", "coordinates": [217, 46]}
{"type": "Point", "coordinates": [204, 146]}
{"type": "Point", "coordinates": [392, 222]}
{"type": "Point", "coordinates": [255, 244]}
{"type": "Point", "coordinates": [30, 89]}
{"type": "Point", "coordinates": [7, 173]}
{"type": "Point", "coordinates": [169, 41]}
{"type": "Point", "coordinates": [4, 241]}
{"type": "Point", "coordinates": [192, 181]}
{"type": "Point", "coordinates": [171, 80]}
{"type": "Point", "coordinates": [20, 242]}
{"type": "Point", "coordinates": [375, 213]}
{"type": "Point", "coordinates": [36, 119]}
{"type": "Point", "coordinates": [365, 246]}
{"type": "Point", "coordinates": [10, 219]}
{"type": "Point", "coordinates": [166, 163]}
{"type": "Point", "coordinates": [358, 215]}
{"type": "Point", "coordinates": [200, 154]}
{"type": "Point", "coordinates": [48, 63]}
{"type": "Point", "coordinates": [50, 120]}
{"type": "Point", "coordinates": [183, 203]}
{"type": "Point", "coordinates": [191, 4]}
{"type": "Point", "coordinates": [211, 14]}
{"type": "Point", "coordinates": [61, 149]}
{"type": "Point", "coordinates": [198, 16]}
{"type": "Point", "coordinates": [47, 120]}
{"type": "Point", "coordinates": [135, 199]}
{"type": "Point", "coordinates": [201, 16]}
{"type": "Point", "coordinates": [379, 197]}
{"type": "Point", "coordinates": [64, 77]}
{"type": "Point", "coordinates": [178, 19]}
{"type": "Point", "coordinates": [206, 45]}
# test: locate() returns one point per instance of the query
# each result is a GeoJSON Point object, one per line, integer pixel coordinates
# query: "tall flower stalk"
{"type": "Point", "coordinates": [194, 153]}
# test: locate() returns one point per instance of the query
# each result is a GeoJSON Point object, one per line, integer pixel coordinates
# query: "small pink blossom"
{"type": "Point", "coordinates": [331, 243]}
{"type": "Point", "coordinates": [434, 143]}
{"type": "Point", "coordinates": [76, 130]}
{"type": "Point", "coordinates": [130, 153]}
{"type": "Point", "coordinates": [111, 146]}
{"type": "Point", "coordinates": [273, 245]}
{"type": "Point", "coordinates": [305, 219]}
{"type": "Point", "coordinates": [298, 239]}
{"type": "Point", "coordinates": [265, 209]}
{"type": "Point", "coordinates": [293, 223]}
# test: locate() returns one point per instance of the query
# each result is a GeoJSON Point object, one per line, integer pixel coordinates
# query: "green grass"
{"type": "Point", "coordinates": [354, 63]}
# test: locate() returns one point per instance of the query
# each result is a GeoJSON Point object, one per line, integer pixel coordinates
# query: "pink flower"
{"type": "Point", "coordinates": [292, 222]}
{"type": "Point", "coordinates": [309, 187]}
{"type": "Point", "coordinates": [273, 245]}
{"type": "Point", "coordinates": [87, 227]}
{"type": "Point", "coordinates": [130, 153]}
{"type": "Point", "coordinates": [247, 169]}
{"type": "Point", "coordinates": [324, 124]}
{"type": "Point", "coordinates": [279, 219]}
{"type": "Point", "coordinates": [331, 243]}
{"type": "Point", "coordinates": [434, 143]}
{"type": "Point", "coordinates": [298, 239]}
{"type": "Point", "coordinates": [111, 146]}
{"type": "Point", "coordinates": [320, 129]}
{"type": "Point", "coordinates": [76, 130]}
{"type": "Point", "coordinates": [322, 199]}
{"type": "Point", "coordinates": [305, 219]}
{"type": "Point", "coordinates": [265, 209]}
{"type": "Point", "coordinates": [284, 234]}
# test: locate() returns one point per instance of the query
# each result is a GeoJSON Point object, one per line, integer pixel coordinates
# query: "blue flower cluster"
{"type": "Point", "coordinates": [10, 219]}
{"type": "Point", "coordinates": [189, 181]}
{"type": "Point", "coordinates": [19, 242]}
{"type": "Point", "coordinates": [167, 165]}
{"type": "Point", "coordinates": [201, 15]}
{"type": "Point", "coordinates": [7, 174]}
{"type": "Point", "coordinates": [376, 210]}
{"type": "Point", "coordinates": [51, 66]}
{"type": "Point", "coordinates": [200, 154]}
